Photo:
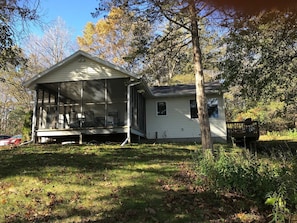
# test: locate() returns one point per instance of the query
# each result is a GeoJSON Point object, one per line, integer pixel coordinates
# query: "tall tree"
{"type": "Point", "coordinates": [187, 14]}
{"type": "Point", "coordinates": [169, 58]}
{"type": "Point", "coordinates": [109, 38]}
{"type": "Point", "coordinates": [41, 53]}
{"type": "Point", "coordinates": [14, 98]}
{"type": "Point", "coordinates": [167, 55]}
{"type": "Point", "coordinates": [54, 45]}
{"type": "Point", "coordinates": [13, 15]}
{"type": "Point", "coordinates": [261, 59]}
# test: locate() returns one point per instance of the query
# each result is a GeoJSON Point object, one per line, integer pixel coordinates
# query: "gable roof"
{"type": "Point", "coordinates": [184, 89]}
{"type": "Point", "coordinates": [77, 55]}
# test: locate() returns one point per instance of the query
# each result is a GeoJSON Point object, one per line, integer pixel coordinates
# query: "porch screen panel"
{"type": "Point", "coordinates": [134, 108]}
{"type": "Point", "coordinates": [116, 100]}
{"type": "Point", "coordinates": [116, 90]}
{"type": "Point", "coordinates": [70, 93]}
{"type": "Point", "coordinates": [43, 103]}
{"type": "Point", "coordinates": [116, 114]}
{"type": "Point", "coordinates": [138, 110]}
{"type": "Point", "coordinates": [93, 103]}
{"type": "Point", "coordinates": [94, 91]}
{"type": "Point", "coordinates": [141, 113]}
{"type": "Point", "coordinates": [71, 90]}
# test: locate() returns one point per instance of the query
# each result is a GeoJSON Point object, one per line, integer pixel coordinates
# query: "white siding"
{"type": "Point", "coordinates": [80, 68]}
{"type": "Point", "coordinates": [177, 124]}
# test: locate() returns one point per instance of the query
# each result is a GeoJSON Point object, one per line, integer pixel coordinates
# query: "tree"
{"type": "Point", "coordinates": [187, 14]}
{"type": "Point", "coordinates": [169, 58]}
{"type": "Point", "coordinates": [53, 46]}
{"type": "Point", "coordinates": [13, 14]}
{"type": "Point", "coordinates": [109, 38]}
{"type": "Point", "coordinates": [41, 53]}
{"type": "Point", "coordinates": [261, 60]}
{"type": "Point", "coordinates": [14, 98]}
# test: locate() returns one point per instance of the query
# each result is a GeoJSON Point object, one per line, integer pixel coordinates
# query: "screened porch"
{"type": "Point", "coordinates": [82, 104]}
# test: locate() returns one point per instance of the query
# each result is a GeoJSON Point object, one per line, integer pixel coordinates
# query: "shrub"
{"type": "Point", "coordinates": [241, 172]}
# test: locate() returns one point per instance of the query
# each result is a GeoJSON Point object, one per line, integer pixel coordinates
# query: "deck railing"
{"type": "Point", "coordinates": [246, 130]}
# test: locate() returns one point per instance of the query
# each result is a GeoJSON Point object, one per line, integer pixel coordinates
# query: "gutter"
{"type": "Point", "coordinates": [128, 139]}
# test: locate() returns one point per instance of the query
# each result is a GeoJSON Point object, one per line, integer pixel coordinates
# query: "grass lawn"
{"type": "Point", "coordinates": [94, 183]}
{"type": "Point", "coordinates": [108, 183]}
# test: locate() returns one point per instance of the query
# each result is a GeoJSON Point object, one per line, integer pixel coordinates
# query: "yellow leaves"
{"type": "Point", "coordinates": [247, 217]}
{"type": "Point", "coordinates": [109, 38]}
{"type": "Point", "coordinates": [116, 13]}
{"type": "Point", "coordinates": [87, 38]}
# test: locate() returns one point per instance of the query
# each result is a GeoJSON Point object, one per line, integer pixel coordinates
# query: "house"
{"type": "Point", "coordinates": [85, 98]}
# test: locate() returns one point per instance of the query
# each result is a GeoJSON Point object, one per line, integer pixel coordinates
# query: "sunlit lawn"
{"type": "Point", "coordinates": [102, 183]}
{"type": "Point", "coordinates": [109, 183]}
{"type": "Point", "coordinates": [287, 135]}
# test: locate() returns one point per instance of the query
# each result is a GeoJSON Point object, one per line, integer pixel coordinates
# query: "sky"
{"type": "Point", "coordinates": [76, 13]}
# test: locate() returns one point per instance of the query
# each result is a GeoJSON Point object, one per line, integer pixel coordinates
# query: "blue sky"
{"type": "Point", "coordinates": [76, 13]}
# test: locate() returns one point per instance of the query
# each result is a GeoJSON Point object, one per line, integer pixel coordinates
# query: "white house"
{"type": "Point", "coordinates": [171, 113]}
{"type": "Point", "coordinates": [84, 98]}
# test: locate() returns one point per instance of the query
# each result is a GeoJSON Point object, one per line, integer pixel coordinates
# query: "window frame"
{"type": "Point", "coordinates": [193, 109]}
{"type": "Point", "coordinates": [215, 111]}
{"type": "Point", "coordinates": [158, 111]}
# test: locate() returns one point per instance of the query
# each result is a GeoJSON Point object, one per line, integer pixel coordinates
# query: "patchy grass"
{"type": "Point", "coordinates": [286, 135]}
{"type": "Point", "coordinates": [108, 183]}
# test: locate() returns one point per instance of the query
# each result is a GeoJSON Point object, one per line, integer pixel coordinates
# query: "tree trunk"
{"type": "Point", "coordinates": [199, 81]}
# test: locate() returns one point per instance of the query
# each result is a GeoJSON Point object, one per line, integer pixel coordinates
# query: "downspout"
{"type": "Point", "coordinates": [128, 139]}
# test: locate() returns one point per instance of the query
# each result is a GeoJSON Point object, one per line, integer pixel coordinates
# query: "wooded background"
{"type": "Point", "coordinates": [253, 52]}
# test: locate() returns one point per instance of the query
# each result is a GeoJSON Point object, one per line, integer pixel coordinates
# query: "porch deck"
{"type": "Point", "coordinates": [245, 131]}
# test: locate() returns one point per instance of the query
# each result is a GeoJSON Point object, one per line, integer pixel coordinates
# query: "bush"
{"type": "Point", "coordinates": [241, 172]}
{"type": "Point", "coordinates": [272, 115]}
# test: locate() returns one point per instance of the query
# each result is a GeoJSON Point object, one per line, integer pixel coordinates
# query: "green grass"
{"type": "Point", "coordinates": [108, 183]}
{"type": "Point", "coordinates": [103, 183]}
{"type": "Point", "coordinates": [288, 135]}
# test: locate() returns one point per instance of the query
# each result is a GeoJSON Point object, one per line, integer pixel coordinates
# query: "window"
{"type": "Point", "coordinates": [161, 108]}
{"type": "Point", "coordinates": [193, 109]}
{"type": "Point", "coordinates": [212, 108]}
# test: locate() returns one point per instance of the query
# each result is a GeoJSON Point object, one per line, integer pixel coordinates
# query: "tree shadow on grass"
{"type": "Point", "coordinates": [18, 161]}
{"type": "Point", "coordinates": [153, 195]}
{"type": "Point", "coordinates": [176, 202]}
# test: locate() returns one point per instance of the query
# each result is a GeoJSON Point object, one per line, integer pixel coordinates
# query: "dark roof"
{"type": "Point", "coordinates": [184, 89]}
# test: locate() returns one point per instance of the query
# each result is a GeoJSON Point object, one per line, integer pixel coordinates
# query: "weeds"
{"type": "Point", "coordinates": [280, 212]}
{"type": "Point", "coordinates": [241, 172]}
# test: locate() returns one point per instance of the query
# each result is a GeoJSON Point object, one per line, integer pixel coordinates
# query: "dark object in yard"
{"type": "Point", "coordinates": [243, 133]}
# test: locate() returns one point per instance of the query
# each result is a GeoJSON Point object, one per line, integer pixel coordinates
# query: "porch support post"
{"type": "Point", "coordinates": [34, 116]}
{"type": "Point", "coordinates": [80, 139]}
{"type": "Point", "coordinates": [81, 102]}
{"type": "Point", "coordinates": [58, 101]}
{"type": "Point", "coordinates": [129, 113]}
{"type": "Point", "coordinates": [128, 139]}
